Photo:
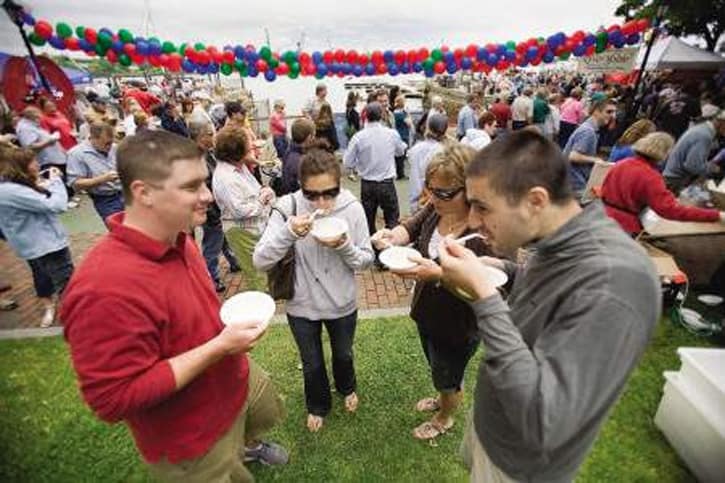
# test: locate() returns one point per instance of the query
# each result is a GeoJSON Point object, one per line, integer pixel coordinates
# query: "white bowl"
{"type": "Point", "coordinates": [397, 258]}
{"type": "Point", "coordinates": [329, 228]}
{"type": "Point", "coordinates": [495, 276]}
{"type": "Point", "coordinates": [248, 309]}
{"type": "Point", "coordinates": [710, 300]}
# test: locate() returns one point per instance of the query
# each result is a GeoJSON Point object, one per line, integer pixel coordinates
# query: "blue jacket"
{"type": "Point", "coordinates": [29, 219]}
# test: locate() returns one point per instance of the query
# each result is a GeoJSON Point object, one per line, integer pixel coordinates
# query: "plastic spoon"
{"type": "Point", "coordinates": [464, 239]}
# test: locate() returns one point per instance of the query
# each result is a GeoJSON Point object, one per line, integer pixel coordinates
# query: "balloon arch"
{"type": "Point", "coordinates": [126, 49]}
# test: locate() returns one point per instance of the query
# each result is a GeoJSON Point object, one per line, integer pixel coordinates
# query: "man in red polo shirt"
{"type": "Point", "coordinates": [142, 320]}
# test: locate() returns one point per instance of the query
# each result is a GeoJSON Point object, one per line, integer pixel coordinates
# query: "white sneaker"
{"type": "Point", "coordinates": [77, 199]}
{"type": "Point", "coordinates": [48, 317]}
{"type": "Point", "coordinates": [72, 204]}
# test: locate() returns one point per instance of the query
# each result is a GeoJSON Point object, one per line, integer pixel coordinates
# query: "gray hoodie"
{"type": "Point", "coordinates": [559, 351]}
{"type": "Point", "coordinates": [325, 285]}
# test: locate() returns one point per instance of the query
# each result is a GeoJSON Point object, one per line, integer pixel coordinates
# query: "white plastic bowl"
{"type": "Point", "coordinates": [248, 309]}
{"type": "Point", "coordinates": [398, 258]}
{"type": "Point", "coordinates": [496, 277]}
{"type": "Point", "coordinates": [329, 229]}
{"type": "Point", "coordinates": [710, 300]}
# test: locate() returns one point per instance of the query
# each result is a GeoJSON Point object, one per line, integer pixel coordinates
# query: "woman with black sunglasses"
{"type": "Point", "coordinates": [325, 291]}
{"type": "Point", "coordinates": [446, 323]}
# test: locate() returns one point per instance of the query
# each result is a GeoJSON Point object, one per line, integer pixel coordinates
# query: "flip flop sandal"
{"type": "Point", "coordinates": [7, 304]}
{"type": "Point", "coordinates": [430, 430]}
{"type": "Point", "coordinates": [428, 404]}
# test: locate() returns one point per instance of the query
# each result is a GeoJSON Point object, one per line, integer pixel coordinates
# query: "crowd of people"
{"type": "Point", "coordinates": [513, 167]}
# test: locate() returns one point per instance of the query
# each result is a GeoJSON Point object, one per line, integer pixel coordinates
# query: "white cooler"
{"type": "Point", "coordinates": [692, 412]}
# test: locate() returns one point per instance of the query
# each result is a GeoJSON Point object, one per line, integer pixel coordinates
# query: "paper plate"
{"type": "Point", "coordinates": [397, 258]}
{"type": "Point", "coordinates": [711, 300]}
{"type": "Point", "coordinates": [252, 309]}
{"type": "Point", "coordinates": [328, 229]}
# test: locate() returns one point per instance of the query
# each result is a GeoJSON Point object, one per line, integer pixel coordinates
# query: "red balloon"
{"type": "Point", "coordinates": [90, 53]}
{"type": "Point", "coordinates": [154, 61]}
{"type": "Point", "coordinates": [458, 54]}
{"type": "Point", "coordinates": [382, 68]}
{"type": "Point", "coordinates": [43, 29]}
{"type": "Point", "coordinates": [486, 68]}
{"type": "Point", "coordinates": [570, 44]}
{"type": "Point", "coordinates": [339, 56]}
{"type": "Point", "coordinates": [521, 48]}
{"type": "Point", "coordinates": [423, 54]}
{"type": "Point", "coordinates": [590, 51]}
{"type": "Point", "coordinates": [491, 48]}
{"type": "Point", "coordinates": [309, 69]}
{"type": "Point", "coordinates": [91, 36]}
{"type": "Point", "coordinates": [352, 57]}
{"type": "Point", "coordinates": [189, 52]}
{"type": "Point", "coordinates": [129, 49]}
{"type": "Point", "coordinates": [629, 27]}
{"type": "Point", "coordinates": [502, 65]}
{"type": "Point", "coordinates": [217, 57]}
{"type": "Point", "coordinates": [138, 59]}
{"type": "Point", "coordinates": [613, 28]}
{"type": "Point", "coordinates": [377, 57]}
{"type": "Point", "coordinates": [262, 65]}
{"type": "Point", "coordinates": [578, 36]}
{"type": "Point", "coordinates": [642, 24]}
{"type": "Point", "coordinates": [164, 60]}
{"type": "Point", "coordinates": [228, 57]}
{"type": "Point", "coordinates": [340, 73]}
{"type": "Point", "coordinates": [532, 42]}
{"type": "Point", "coordinates": [283, 69]}
{"type": "Point", "coordinates": [399, 57]}
{"type": "Point", "coordinates": [71, 43]}
{"type": "Point", "coordinates": [412, 57]}
{"type": "Point", "coordinates": [536, 61]}
{"type": "Point", "coordinates": [439, 67]}
{"type": "Point", "coordinates": [328, 57]}
{"type": "Point", "coordinates": [445, 48]}
{"type": "Point", "coordinates": [203, 57]}
{"type": "Point", "coordinates": [364, 59]}
{"type": "Point", "coordinates": [471, 50]}
{"type": "Point", "coordinates": [174, 66]}
{"type": "Point", "coordinates": [111, 56]}
{"type": "Point", "coordinates": [305, 58]}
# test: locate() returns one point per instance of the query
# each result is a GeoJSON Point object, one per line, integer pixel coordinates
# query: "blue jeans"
{"type": "Point", "coordinates": [281, 143]}
{"type": "Point", "coordinates": [308, 336]}
{"type": "Point", "coordinates": [106, 205]}
{"type": "Point", "coordinates": [213, 243]}
{"type": "Point", "coordinates": [51, 272]}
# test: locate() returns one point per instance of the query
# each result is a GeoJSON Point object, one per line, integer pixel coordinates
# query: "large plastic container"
{"type": "Point", "coordinates": [696, 436]}
{"type": "Point", "coordinates": [703, 375]}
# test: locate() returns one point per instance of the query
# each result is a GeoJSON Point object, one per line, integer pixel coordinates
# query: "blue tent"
{"type": "Point", "coordinates": [76, 76]}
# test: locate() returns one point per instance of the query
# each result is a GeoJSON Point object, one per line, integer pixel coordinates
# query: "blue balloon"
{"type": "Point", "coordinates": [188, 66]}
{"type": "Point", "coordinates": [492, 59]}
{"type": "Point", "coordinates": [154, 48]}
{"type": "Point", "coordinates": [252, 71]}
{"type": "Point", "coordinates": [57, 42]}
{"type": "Point", "coordinates": [252, 56]}
{"type": "Point", "coordinates": [466, 63]}
{"type": "Point", "coordinates": [346, 68]}
{"type": "Point", "coordinates": [334, 67]}
{"type": "Point", "coordinates": [451, 67]}
{"type": "Point", "coordinates": [316, 57]}
{"type": "Point", "coordinates": [107, 31]}
{"type": "Point", "coordinates": [417, 67]}
{"type": "Point", "coordinates": [322, 69]}
{"type": "Point", "coordinates": [357, 70]}
{"type": "Point", "coordinates": [532, 53]}
{"type": "Point", "coordinates": [501, 50]}
{"type": "Point", "coordinates": [370, 69]}
{"type": "Point", "coordinates": [201, 69]}
{"type": "Point", "coordinates": [28, 19]}
{"type": "Point", "coordinates": [481, 54]}
{"type": "Point", "coordinates": [393, 69]}
{"type": "Point", "coordinates": [139, 39]}
{"type": "Point", "coordinates": [405, 68]}
{"type": "Point", "coordinates": [388, 56]}
{"type": "Point", "coordinates": [117, 46]}
{"type": "Point", "coordinates": [632, 39]}
{"type": "Point", "coordinates": [618, 44]}
{"type": "Point", "coordinates": [589, 40]}
{"type": "Point", "coordinates": [429, 72]}
{"type": "Point", "coordinates": [142, 48]}
{"type": "Point", "coordinates": [510, 55]}
{"type": "Point", "coordinates": [579, 50]}
{"type": "Point", "coordinates": [239, 52]}
{"type": "Point", "coordinates": [85, 45]}
{"type": "Point", "coordinates": [448, 57]}
{"type": "Point", "coordinates": [548, 57]}
{"type": "Point", "coordinates": [270, 75]}
{"type": "Point", "coordinates": [213, 68]}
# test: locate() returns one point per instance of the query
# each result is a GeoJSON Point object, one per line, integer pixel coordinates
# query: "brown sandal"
{"type": "Point", "coordinates": [431, 430]}
{"type": "Point", "coordinates": [428, 404]}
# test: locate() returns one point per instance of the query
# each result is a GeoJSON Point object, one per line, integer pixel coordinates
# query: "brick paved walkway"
{"type": "Point", "coordinates": [376, 290]}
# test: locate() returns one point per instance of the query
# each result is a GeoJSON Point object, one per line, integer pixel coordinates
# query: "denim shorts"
{"type": "Point", "coordinates": [447, 364]}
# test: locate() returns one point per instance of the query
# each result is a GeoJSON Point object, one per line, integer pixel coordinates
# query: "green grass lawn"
{"type": "Point", "coordinates": [48, 434]}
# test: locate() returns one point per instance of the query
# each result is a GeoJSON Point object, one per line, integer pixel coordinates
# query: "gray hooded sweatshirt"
{"type": "Point", "coordinates": [325, 285]}
{"type": "Point", "coordinates": [559, 351]}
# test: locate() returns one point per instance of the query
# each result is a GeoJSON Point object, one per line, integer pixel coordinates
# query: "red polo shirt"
{"type": "Point", "coordinates": [133, 304]}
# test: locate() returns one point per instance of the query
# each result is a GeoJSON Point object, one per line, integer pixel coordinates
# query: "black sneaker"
{"type": "Point", "coordinates": [267, 453]}
{"type": "Point", "coordinates": [220, 287]}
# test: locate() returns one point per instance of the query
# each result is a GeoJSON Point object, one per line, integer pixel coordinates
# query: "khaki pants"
{"type": "Point", "coordinates": [242, 243]}
{"type": "Point", "coordinates": [224, 461]}
{"type": "Point", "coordinates": [477, 461]}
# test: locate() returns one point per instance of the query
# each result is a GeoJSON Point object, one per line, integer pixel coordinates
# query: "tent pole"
{"type": "Point", "coordinates": [14, 11]}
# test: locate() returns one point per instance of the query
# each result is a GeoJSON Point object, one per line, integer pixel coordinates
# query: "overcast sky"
{"type": "Point", "coordinates": [364, 25]}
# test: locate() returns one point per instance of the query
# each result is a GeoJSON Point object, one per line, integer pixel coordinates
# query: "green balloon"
{"type": "Point", "coordinates": [243, 70]}
{"type": "Point", "coordinates": [124, 60]}
{"type": "Point", "coordinates": [273, 63]}
{"type": "Point", "coordinates": [226, 69]}
{"type": "Point", "coordinates": [63, 30]}
{"type": "Point", "coordinates": [182, 48]}
{"type": "Point", "coordinates": [168, 47]}
{"type": "Point", "coordinates": [199, 47]}
{"type": "Point", "coordinates": [101, 49]}
{"type": "Point", "coordinates": [80, 31]}
{"type": "Point", "coordinates": [293, 75]}
{"type": "Point", "coordinates": [428, 64]}
{"type": "Point", "coordinates": [510, 45]}
{"type": "Point", "coordinates": [600, 48]}
{"type": "Point", "coordinates": [36, 39]}
{"type": "Point", "coordinates": [155, 40]}
{"type": "Point", "coordinates": [436, 55]}
{"type": "Point", "coordinates": [265, 53]}
{"type": "Point", "coordinates": [565, 56]}
{"type": "Point", "coordinates": [125, 35]}
{"type": "Point", "coordinates": [289, 57]}
{"type": "Point", "coordinates": [294, 68]}
{"type": "Point", "coordinates": [105, 40]}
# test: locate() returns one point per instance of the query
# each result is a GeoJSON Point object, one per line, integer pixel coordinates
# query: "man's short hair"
{"type": "Point", "coordinates": [234, 107]}
{"type": "Point", "coordinates": [521, 161]}
{"type": "Point", "coordinates": [601, 104]}
{"type": "Point", "coordinates": [486, 118]}
{"type": "Point", "coordinates": [198, 127]}
{"type": "Point", "coordinates": [302, 129]}
{"type": "Point", "coordinates": [97, 129]}
{"type": "Point", "coordinates": [231, 144]}
{"type": "Point", "coordinates": [374, 111]}
{"type": "Point", "coordinates": [148, 156]}
{"type": "Point", "coordinates": [319, 88]}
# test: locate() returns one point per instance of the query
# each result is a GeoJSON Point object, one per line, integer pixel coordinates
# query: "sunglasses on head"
{"type": "Point", "coordinates": [326, 194]}
{"type": "Point", "coordinates": [445, 194]}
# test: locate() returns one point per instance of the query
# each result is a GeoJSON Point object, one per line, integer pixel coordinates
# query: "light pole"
{"type": "Point", "coordinates": [15, 11]}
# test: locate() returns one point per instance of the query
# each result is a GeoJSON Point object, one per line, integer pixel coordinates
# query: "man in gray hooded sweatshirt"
{"type": "Point", "coordinates": [579, 316]}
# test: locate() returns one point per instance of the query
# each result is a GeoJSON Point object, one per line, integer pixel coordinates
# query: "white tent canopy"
{"type": "Point", "coordinates": [673, 53]}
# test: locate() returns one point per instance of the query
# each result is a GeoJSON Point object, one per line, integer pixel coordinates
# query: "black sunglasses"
{"type": "Point", "coordinates": [326, 194]}
{"type": "Point", "coordinates": [445, 195]}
